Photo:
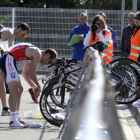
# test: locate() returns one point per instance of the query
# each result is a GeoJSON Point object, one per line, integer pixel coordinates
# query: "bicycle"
{"type": "Point", "coordinates": [63, 80]}
{"type": "Point", "coordinates": [117, 73]}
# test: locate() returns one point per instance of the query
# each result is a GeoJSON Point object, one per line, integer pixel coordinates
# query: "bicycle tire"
{"type": "Point", "coordinates": [132, 71]}
{"type": "Point", "coordinates": [47, 107]}
{"type": "Point", "coordinates": [69, 87]}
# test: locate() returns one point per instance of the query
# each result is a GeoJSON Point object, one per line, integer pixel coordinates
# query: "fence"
{"type": "Point", "coordinates": [51, 27]}
{"type": "Point", "coordinates": [85, 113]}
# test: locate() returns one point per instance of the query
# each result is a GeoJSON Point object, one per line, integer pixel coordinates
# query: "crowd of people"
{"type": "Point", "coordinates": [99, 31]}
{"type": "Point", "coordinates": [96, 31]}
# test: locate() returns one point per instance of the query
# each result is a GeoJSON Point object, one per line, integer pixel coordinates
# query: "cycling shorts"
{"type": "Point", "coordinates": [8, 66]}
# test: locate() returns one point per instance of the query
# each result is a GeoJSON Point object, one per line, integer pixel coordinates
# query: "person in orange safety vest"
{"type": "Point", "coordinates": [135, 40]}
{"type": "Point", "coordinates": [135, 48]}
{"type": "Point", "coordinates": [99, 32]}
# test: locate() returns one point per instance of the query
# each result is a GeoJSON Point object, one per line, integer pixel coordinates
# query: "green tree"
{"type": "Point", "coordinates": [86, 4]}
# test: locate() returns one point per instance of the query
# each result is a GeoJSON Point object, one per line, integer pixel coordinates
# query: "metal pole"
{"type": "Point", "coordinates": [122, 16]}
{"type": "Point", "coordinates": [134, 7]}
{"type": "Point", "coordinates": [13, 20]}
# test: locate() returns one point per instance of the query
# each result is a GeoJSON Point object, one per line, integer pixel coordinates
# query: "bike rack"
{"type": "Point", "coordinates": [89, 101]}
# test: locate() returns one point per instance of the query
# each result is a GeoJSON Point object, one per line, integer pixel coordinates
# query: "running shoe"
{"type": "Point", "coordinates": [33, 95]}
{"type": "Point", "coordinates": [5, 111]}
{"type": "Point", "coordinates": [17, 124]}
{"type": "Point", "coordinates": [23, 122]}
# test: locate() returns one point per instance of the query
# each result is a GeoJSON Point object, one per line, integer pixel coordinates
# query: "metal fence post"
{"type": "Point", "coordinates": [13, 20]}
{"type": "Point", "coordinates": [134, 6]}
{"type": "Point", "coordinates": [122, 15]}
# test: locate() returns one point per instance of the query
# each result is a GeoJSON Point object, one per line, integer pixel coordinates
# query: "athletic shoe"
{"type": "Point", "coordinates": [17, 124]}
{"type": "Point", "coordinates": [23, 122]}
{"type": "Point", "coordinates": [5, 111]}
{"type": "Point", "coordinates": [33, 95]}
{"type": "Point", "coordinates": [136, 104]}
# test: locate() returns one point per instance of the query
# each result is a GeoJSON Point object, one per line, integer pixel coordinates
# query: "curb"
{"type": "Point", "coordinates": [135, 112]}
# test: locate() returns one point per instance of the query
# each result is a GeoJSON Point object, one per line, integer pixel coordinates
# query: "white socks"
{"type": "Point", "coordinates": [12, 116]}
{"type": "Point", "coordinates": [17, 115]}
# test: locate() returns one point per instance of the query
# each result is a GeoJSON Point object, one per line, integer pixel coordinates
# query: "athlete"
{"type": "Point", "coordinates": [8, 70]}
{"type": "Point", "coordinates": [9, 34]}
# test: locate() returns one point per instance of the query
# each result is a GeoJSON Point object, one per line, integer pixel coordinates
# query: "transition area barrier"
{"type": "Point", "coordinates": [91, 112]}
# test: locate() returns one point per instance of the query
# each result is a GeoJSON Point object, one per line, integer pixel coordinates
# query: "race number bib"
{"type": "Point", "coordinates": [4, 46]}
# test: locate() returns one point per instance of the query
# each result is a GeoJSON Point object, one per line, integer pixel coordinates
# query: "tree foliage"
{"type": "Point", "coordinates": [86, 4]}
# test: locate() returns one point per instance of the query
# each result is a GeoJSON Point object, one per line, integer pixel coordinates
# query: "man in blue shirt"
{"type": "Point", "coordinates": [109, 28]}
{"type": "Point", "coordinates": [82, 28]}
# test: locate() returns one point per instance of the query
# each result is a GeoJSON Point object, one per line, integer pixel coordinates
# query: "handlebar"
{"type": "Point", "coordinates": [63, 62]}
{"type": "Point", "coordinates": [99, 45]}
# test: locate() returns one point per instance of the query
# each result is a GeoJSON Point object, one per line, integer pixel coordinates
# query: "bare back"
{"type": "Point", "coordinates": [8, 35]}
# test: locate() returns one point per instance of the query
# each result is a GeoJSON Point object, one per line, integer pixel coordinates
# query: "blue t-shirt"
{"type": "Point", "coordinates": [113, 37]}
{"type": "Point", "coordinates": [78, 52]}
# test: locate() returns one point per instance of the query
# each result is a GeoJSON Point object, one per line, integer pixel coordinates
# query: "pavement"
{"type": "Point", "coordinates": [128, 116]}
{"type": "Point", "coordinates": [42, 133]}
{"type": "Point", "coordinates": [130, 125]}
{"type": "Point", "coordinates": [135, 112]}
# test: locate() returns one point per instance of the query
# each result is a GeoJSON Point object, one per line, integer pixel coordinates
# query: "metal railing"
{"type": "Point", "coordinates": [86, 108]}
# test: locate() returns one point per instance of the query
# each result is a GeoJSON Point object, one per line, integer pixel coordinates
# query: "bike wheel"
{"type": "Point", "coordinates": [129, 72]}
{"type": "Point", "coordinates": [50, 102]}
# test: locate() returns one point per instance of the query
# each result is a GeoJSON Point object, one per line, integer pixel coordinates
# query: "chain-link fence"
{"type": "Point", "coordinates": [52, 27]}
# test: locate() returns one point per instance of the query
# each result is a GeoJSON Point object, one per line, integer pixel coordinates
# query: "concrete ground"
{"type": "Point", "coordinates": [130, 126]}
{"type": "Point", "coordinates": [42, 133]}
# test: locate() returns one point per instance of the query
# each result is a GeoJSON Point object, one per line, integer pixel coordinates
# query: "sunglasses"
{"type": "Point", "coordinates": [137, 18]}
{"type": "Point", "coordinates": [22, 33]}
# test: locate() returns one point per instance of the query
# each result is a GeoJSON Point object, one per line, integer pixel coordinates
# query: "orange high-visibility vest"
{"type": "Point", "coordinates": [135, 45]}
{"type": "Point", "coordinates": [108, 54]}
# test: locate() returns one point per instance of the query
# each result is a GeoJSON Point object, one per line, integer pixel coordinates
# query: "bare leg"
{"type": "Point", "coordinates": [20, 90]}
{"type": "Point", "coordinates": [3, 98]}
{"type": "Point", "coordinates": [14, 101]}
{"type": "Point", "coordinates": [2, 90]}
{"type": "Point", "coordinates": [14, 95]}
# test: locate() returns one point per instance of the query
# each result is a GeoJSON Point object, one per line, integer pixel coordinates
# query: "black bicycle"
{"type": "Point", "coordinates": [57, 91]}
{"type": "Point", "coordinates": [123, 73]}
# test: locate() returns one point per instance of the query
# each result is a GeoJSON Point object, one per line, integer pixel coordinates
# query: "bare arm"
{"type": "Point", "coordinates": [25, 74]}
{"type": "Point", "coordinates": [30, 68]}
